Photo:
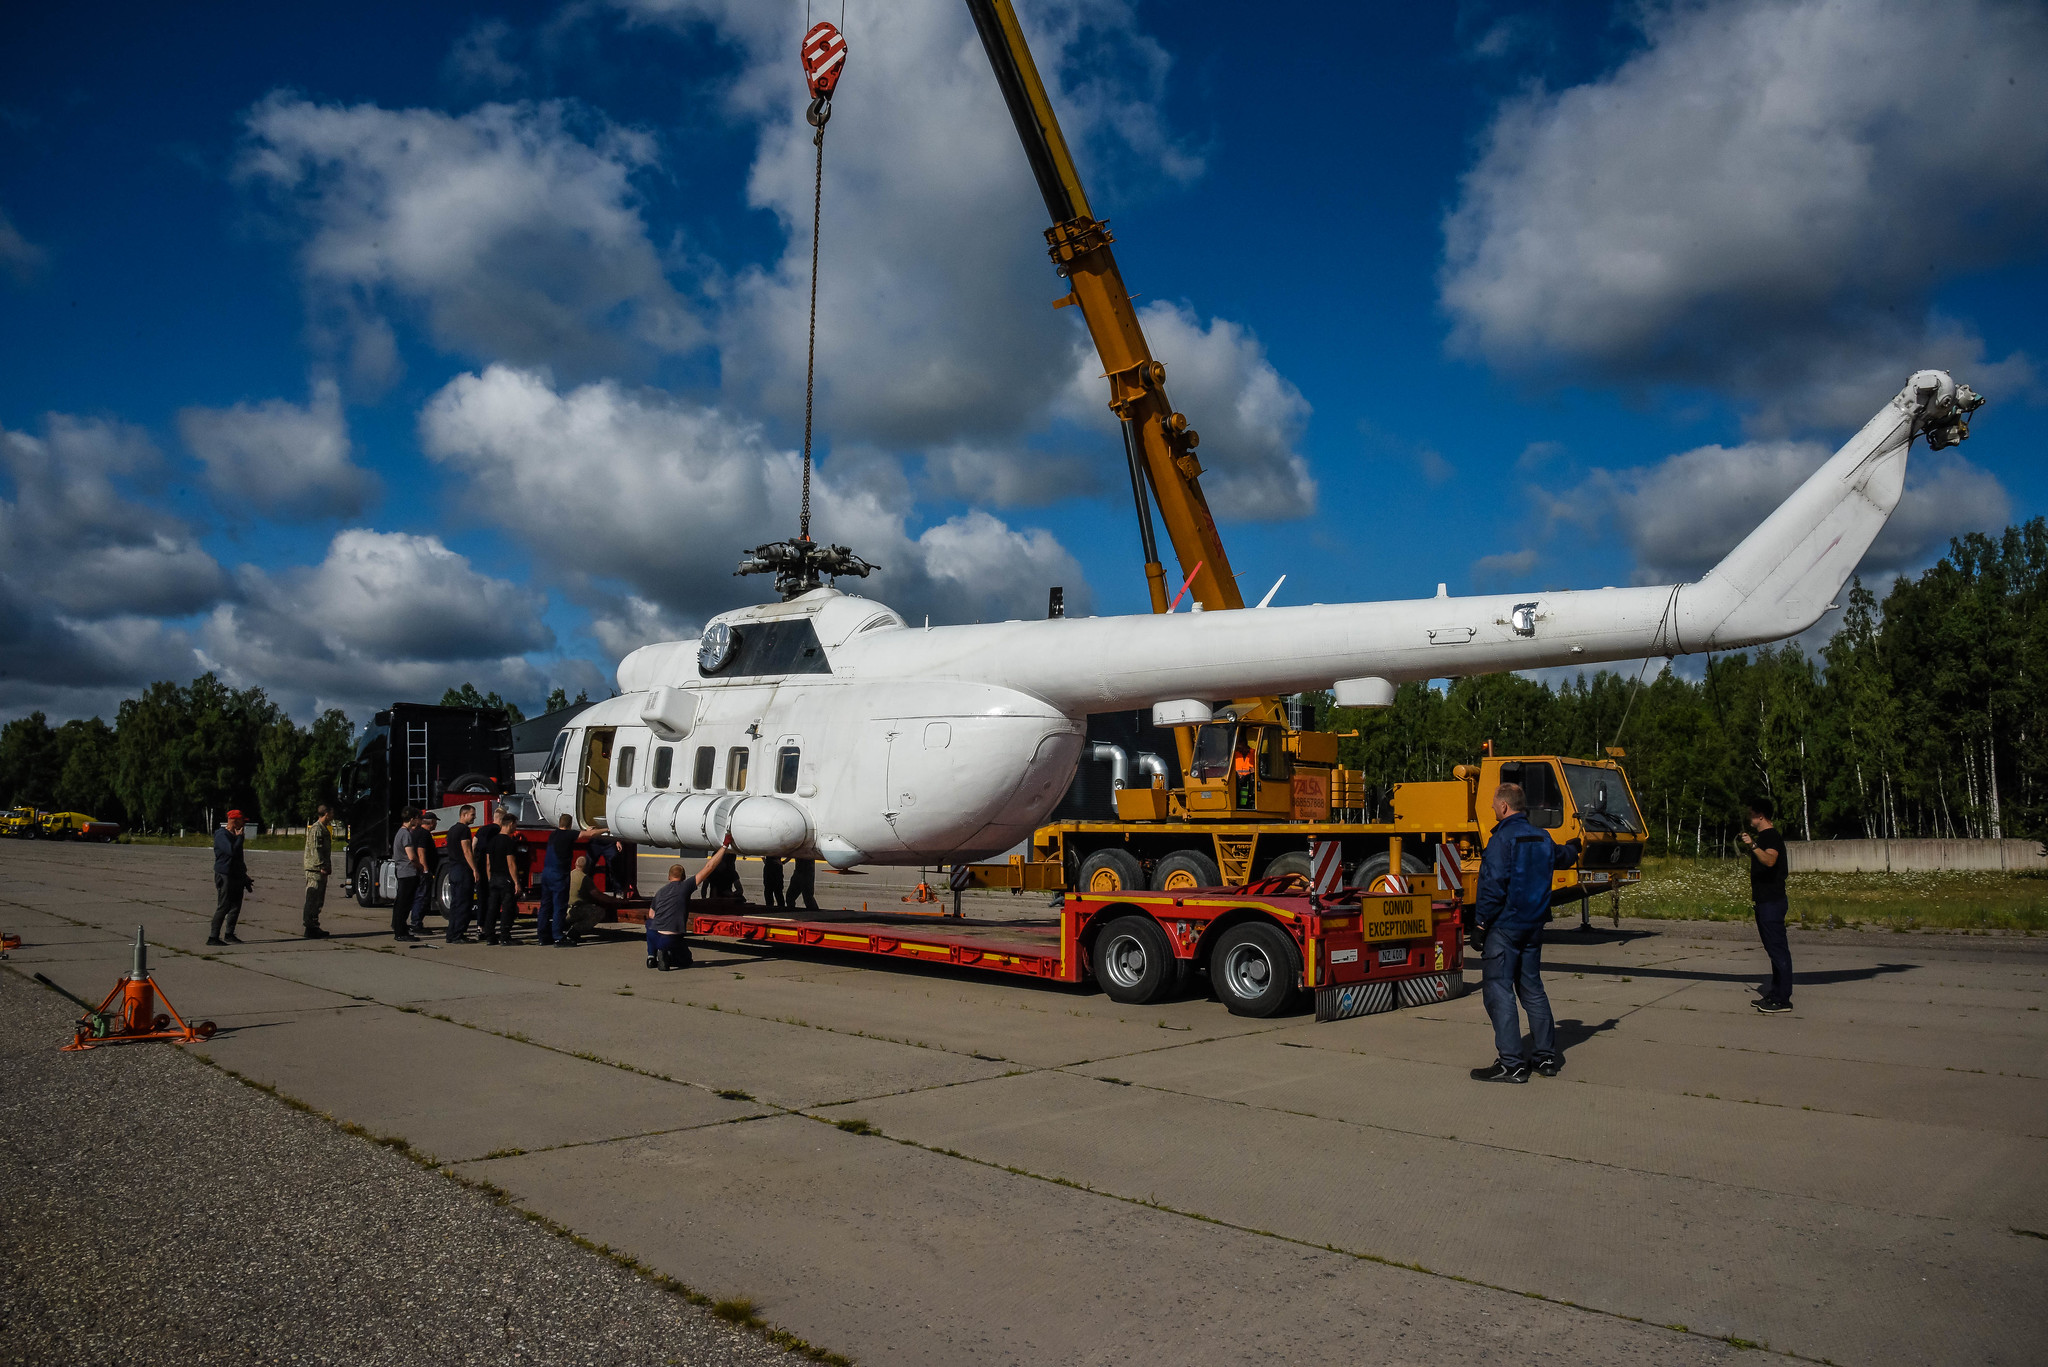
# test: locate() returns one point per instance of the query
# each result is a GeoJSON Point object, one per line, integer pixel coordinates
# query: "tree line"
{"type": "Point", "coordinates": [178, 757]}
{"type": "Point", "coordinates": [1921, 716]}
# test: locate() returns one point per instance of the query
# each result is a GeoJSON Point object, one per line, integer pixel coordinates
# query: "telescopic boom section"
{"type": "Point", "coordinates": [1158, 439]}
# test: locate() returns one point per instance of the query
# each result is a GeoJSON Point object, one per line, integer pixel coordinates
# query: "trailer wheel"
{"type": "Point", "coordinates": [1111, 870]}
{"type": "Point", "coordinates": [366, 883]}
{"type": "Point", "coordinates": [1255, 968]}
{"type": "Point", "coordinates": [1184, 869]}
{"type": "Point", "coordinates": [1133, 961]}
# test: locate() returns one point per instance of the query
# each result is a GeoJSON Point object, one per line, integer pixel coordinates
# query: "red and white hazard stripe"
{"type": "Point", "coordinates": [1326, 867]}
{"type": "Point", "coordinates": [1450, 871]}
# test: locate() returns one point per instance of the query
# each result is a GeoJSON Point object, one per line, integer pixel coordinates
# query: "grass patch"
{"type": "Point", "coordinates": [735, 1094]}
{"type": "Point", "coordinates": [1718, 890]}
{"type": "Point", "coordinates": [856, 1127]}
{"type": "Point", "coordinates": [740, 1310]}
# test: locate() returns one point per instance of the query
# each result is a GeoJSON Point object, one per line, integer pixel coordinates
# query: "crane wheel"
{"type": "Point", "coordinates": [1297, 863]}
{"type": "Point", "coordinates": [162, 1022]}
{"type": "Point", "coordinates": [1183, 870]}
{"type": "Point", "coordinates": [1110, 871]}
{"type": "Point", "coordinates": [1376, 866]}
{"type": "Point", "coordinates": [204, 1029]}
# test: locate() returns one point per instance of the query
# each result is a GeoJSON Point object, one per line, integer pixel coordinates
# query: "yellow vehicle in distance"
{"type": "Point", "coordinates": [23, 823]}
{"type": "Point", "coordinates": [78, 826]}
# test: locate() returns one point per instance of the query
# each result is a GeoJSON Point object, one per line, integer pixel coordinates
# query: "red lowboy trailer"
{"type": "Point", "coordinates": [1261, 944]}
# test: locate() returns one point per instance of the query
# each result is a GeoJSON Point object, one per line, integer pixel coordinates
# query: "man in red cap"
{"type": "Point", "coordinates": [230, 880]}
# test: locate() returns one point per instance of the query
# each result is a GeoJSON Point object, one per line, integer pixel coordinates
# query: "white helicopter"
{"type": "Point", "coordinates": [825, 726]}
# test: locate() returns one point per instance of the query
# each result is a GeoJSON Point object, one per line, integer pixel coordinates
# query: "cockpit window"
{"type": "Point", "coordinates": [1213, 745]}
{"type": "Point", "coordinates": [551, 775]}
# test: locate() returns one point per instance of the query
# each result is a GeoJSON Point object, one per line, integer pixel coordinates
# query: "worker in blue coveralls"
{"type": "Point", "coordinates": [1513, 904]}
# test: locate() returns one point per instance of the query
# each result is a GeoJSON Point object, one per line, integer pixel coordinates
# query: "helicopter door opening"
{"type": "Point", "coordinates": [594, 784]}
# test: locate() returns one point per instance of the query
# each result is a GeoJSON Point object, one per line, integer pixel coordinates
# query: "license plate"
{"type": "Point", "coordinates": [1393, 956]}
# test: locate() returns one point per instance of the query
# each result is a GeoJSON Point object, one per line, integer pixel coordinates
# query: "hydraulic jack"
{"type": "Point", "coordinates": [129, 1014]}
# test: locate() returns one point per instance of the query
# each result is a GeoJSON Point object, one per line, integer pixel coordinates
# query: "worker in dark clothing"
{"type": "Point", "coordinates": [428, 856]}
{"type": "Point", "coordinates": [666, 927]}
{"type": "Point", "coordinates": [230, 881]}
{"type": "Point", "coordinates": [408, 868]}
{"type": "Point", "coordinates": [554, 877]}
{"type": "Point", "coordinates": [462, 875]}
{"type": "Point", "coordinates": [498, 852]}
{"type": "Point", "coordinates": [1766, 850]}
{"type": "Point", "coordinates": [803, 884]}
{"type": "Point", "coordinates": [725, 881]}
{"type": "Point", "coordinates": [772, 894]}
{"type": "Point", "coordinates": [1512, 905]}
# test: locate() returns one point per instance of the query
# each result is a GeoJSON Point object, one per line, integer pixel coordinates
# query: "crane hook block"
{"type": "Point", "coordinates": [824, 54]}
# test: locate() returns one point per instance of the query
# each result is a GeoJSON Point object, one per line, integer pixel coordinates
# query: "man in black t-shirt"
{"type": "Point", "coordinates": [462, 875]}
{"type": "Point", "coordinates": [499, 853]}
{"type": "Point", "coordinates": [1766, 850]}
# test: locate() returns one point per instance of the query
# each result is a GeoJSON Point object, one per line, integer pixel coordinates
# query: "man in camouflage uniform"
{"type": "Point", "coordinates": [319, 863]}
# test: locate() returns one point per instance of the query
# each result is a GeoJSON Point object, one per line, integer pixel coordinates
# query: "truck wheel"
{"type": "Point", "coordinates": [1111, 870]}
{"type": "Point", "coordinates": [1296, 862]}
{"type": "Point", "coordinates": [444, 889]}
{"type": "Point", "coordinates": [1255, 968]}
{"type": "Point", "coordinates": [1376, 866]}
{"type": "Point", "coordinates": [1184, 869]}
{"type": "Point", "coordinates": [1133, 961]}
{"type": "Point", "coordinates": [366, 883]}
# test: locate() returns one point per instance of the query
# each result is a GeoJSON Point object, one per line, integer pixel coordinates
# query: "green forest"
{"type": "Point", "coordinates": [176, 758]}
{"type": "Point", "coordinates": [1922, 716]}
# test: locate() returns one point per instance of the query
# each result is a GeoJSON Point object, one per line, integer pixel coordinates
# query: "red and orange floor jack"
{"type": "Point", "coordinates": [129, 1014]}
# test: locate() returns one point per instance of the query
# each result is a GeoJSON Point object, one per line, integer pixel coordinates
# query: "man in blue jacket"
{"type": "Point", "coordinates": [1513, 903]}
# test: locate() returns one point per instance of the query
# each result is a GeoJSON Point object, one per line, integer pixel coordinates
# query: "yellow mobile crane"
{"type": "Point", "coordinates": [1256, 790]}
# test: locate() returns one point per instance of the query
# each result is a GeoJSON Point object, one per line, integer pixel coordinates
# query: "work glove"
{"type": "Point", "coordinates": [248, 885]}
{"type": "Point", "coordinates": [1575, 846]}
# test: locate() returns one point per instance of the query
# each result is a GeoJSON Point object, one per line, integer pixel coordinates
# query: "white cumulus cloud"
{"type": "Point", "coordinates": [634, 486]}
{"type": "Point", "coordinates": [1681, 515]}
{"type": "Point", "coordinates": [513, 231]}
{"type": "Point", "coordinates": [287, 460]}
{"type": "Point", "coordinates": [1761, 201]}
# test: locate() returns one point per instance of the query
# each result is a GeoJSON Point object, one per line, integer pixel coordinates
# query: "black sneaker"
{"type": "Point", "coordinates": [1550, 1065]}
{"type": "Point", "coordinates": [215, 940]}
{"type": "Point", "coordinates": [650, 961]}
{"type": "Point", "coordinates": [1500, 1072]}
{"type": "Point", "coordinates": [233, 938]}
{"type": "Point", "coordinates": [1770, 1006]}
{"type": "Point", "coordinates": [405, 937]}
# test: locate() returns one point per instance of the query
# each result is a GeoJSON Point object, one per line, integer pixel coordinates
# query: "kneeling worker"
{"type": "Point", "coordinates": [666, 946]}
{"type": "Point", "coordinates": [1513, 904]}
{"type": "Point", "coordinates": [587, 906]}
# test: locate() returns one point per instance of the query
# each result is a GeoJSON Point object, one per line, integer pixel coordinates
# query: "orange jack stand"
{"type": "Point", "coordinates": [129, 1015]}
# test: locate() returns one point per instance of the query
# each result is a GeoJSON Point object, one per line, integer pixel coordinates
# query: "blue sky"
{"type": "Point", "coordinates": [356, 352]}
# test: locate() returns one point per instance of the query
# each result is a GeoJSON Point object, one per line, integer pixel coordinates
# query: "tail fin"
{"type": "Point", "coordinates": [1786, 573]}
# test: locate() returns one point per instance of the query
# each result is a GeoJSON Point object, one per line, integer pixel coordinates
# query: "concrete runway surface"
{"type": "Point", "coordinates": [908, 1166]}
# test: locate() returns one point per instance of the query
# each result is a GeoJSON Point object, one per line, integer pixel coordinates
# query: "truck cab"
{"type": "Point", "coordinates": [1585, 800]}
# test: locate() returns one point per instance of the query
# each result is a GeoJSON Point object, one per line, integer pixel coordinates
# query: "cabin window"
{"type": "Point", "coordinates": [625, 777]}
{"type": "Point", "coordinates": [707, 759]}
{"type": "Point", "coordinates": [786, 761]}
{"type": "Point", "coordinates": [1540, 789]}
{"type": "Point", "coordinates": [736, 769]}
{"type": "Point", "coordinates": [664, 765]}
{"type": "Point", "coordinates": [1213, 745]}
{"type": "Point", "coordinates": [551, 774]}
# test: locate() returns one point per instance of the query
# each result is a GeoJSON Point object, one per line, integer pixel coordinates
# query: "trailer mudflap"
{"type": "Point", "coordinates": [1370, 998]}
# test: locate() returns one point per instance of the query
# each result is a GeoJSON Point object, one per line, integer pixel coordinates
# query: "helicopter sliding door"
{"type": "Point", "coordinates": [593, 787]}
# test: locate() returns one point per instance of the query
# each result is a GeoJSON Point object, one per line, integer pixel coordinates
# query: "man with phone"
{"type": "Point", "coordinates": [1766, 850]}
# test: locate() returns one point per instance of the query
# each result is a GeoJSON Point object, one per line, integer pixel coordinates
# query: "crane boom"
{"type": "Point", "coordinates": [1158, 443]}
